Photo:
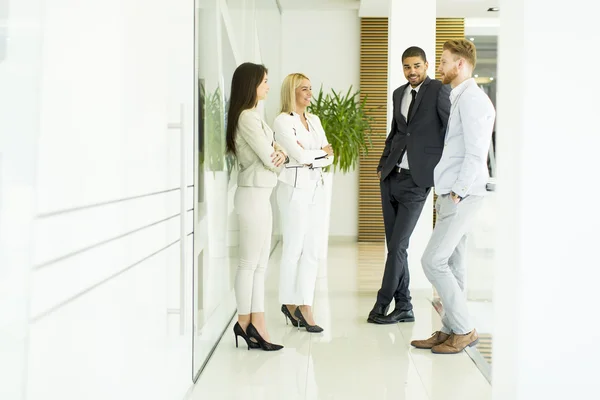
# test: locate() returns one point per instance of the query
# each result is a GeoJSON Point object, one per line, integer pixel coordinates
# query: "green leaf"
{"type": "Point", "coordinates": [346, 123]}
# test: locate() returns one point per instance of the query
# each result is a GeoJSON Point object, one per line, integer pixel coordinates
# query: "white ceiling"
{"type": "Point", "coordinates": [445, 8]}
{"type": "Point", "coordinates": [319, 4]}
{"type": "Point", "coordinates": [467, 8]}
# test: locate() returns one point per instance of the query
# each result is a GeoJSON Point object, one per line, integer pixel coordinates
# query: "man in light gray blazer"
{"type": "Point", "coordinates": [460, 180]}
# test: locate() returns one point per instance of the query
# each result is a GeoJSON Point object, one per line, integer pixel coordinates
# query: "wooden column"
{"type": "Point", "coordinates": [373, 84]}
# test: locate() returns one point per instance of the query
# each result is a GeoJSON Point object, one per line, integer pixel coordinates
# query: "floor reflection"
{"type": "Point", "coordinates": [350, 359]}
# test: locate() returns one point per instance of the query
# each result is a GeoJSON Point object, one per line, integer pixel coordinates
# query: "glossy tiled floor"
{"type": "Point", "coordinates": [351, 359]}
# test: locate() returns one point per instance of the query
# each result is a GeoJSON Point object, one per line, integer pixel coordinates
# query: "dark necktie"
{"type": "Point", "coordinates": [413, 93]}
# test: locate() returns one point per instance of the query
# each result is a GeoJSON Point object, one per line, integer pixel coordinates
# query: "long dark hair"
{"type": "Point", "coordinates": [246, 78]}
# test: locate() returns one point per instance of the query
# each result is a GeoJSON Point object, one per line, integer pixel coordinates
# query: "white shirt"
{"type": "Point", "coordinates": [457, 91]}
{"type": "Point", "coordinates": [306, 158]}
{"type": "Point", "coordinates": [406, 99]}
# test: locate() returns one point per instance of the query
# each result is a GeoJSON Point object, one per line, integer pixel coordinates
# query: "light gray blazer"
{"type": "Point", "coordinates": [463, 166]}
{"type": "Point", "coordinates": [255, 144]}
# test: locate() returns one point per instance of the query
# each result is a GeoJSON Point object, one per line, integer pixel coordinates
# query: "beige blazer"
{"type": "Point", "coordinates": [255, 144]}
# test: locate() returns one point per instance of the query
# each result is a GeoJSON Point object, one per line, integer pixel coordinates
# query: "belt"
{"type": "Point", "coordinates": [303, 166]}
{"type": "Point", "coordinates": [403, 171]}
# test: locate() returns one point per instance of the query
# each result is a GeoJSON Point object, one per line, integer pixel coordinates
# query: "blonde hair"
{"type": "Point", "coordinates": [462, 48]}
{"type": "Point", "coordinates": [288, 91]}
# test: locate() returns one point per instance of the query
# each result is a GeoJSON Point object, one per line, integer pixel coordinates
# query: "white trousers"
{"type": "Point", "coordinates": [302, 214]}
{"type": "Point", "coordinates": [253, 206]}
{"type": "Point", "coordinates": [444, 259]}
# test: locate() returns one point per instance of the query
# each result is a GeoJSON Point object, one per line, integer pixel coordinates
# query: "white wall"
{"type": "Point", "coordinates": [546, 271]}
{"type": "Point", "coordinates": [325, 45]}
{"type": "Point", "coordinates": [105, 282]}
{"type": "Point", "coordinates": [19, 109]}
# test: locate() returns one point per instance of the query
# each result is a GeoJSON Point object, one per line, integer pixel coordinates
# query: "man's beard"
{"type": "Point", "coordinates": [450, 76]}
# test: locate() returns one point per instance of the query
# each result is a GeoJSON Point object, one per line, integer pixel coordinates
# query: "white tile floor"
{"type": "Point", "coordinates": [350, 360]}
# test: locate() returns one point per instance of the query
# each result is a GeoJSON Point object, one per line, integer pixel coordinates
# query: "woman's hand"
{"type": "Point", "coordinates": [328, 149]}
{"type": "Point", "coordinates": [278, 158]}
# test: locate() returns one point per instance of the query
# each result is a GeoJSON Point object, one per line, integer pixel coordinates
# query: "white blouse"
{"type": "Point", "coordinates": [306, 158]}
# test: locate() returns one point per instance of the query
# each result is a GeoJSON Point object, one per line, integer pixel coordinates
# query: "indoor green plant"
{"type": "Point", "coordinates": [214, 119]}
{"type": "Point", "coordinates": [348, 129]}
{"type": "Point", "coordinates": [214, 129]}
{"type": "Point", "coordinates": [346, 124]}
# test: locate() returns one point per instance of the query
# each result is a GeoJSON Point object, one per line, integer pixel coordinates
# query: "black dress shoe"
{"type": "Point", "coordinates": [252, 333]}
{"type": "Point", "coordinates": [288, 315]}
{"type": "Point", "coordinates": [302, 323]}
{"type": "Point", "coordinates": [377, 311]}
{"type": "Point", "coordinates": [396, 316]}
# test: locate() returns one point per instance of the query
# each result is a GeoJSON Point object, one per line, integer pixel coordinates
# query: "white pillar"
{"type": "Point", "coordinates": [547, 333]}
{"type": "Point", "coordinates": [409, 26]}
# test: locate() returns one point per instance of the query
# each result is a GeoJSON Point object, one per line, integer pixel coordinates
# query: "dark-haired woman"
{"type": "Point", "coordinates": [260, 159]}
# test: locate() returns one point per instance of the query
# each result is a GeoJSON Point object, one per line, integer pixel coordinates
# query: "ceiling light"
{"type": "Point", "coordinates": [476, 76]}
{"type": "Point", "coordinates": [494, 9]}
{"type": "Point", "coordinates": [472, 39]}
{"type": "Point", "coordinates": [491, 78]}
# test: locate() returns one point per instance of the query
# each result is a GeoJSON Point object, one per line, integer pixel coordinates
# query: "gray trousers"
{"type": "Point", "coordinates": [444, 259]}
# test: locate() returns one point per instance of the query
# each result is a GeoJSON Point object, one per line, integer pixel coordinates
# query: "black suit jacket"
{"type": "Point", "coordinates": [423, 137]}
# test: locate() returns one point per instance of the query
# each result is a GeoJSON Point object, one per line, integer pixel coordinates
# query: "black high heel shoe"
{"type": "Point", "coordinates": [288, 315]}
{"type": "Point", "coordinates": [266, 346]}
{"type": "Point", "coordinates": [309, 328]}
{"type": "Point", "coordinates": [238, 331]}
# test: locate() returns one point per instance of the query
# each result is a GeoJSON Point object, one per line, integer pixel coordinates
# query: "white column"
{"type": "Point", "coordinates": [410, 26]}
{"type": "Point", "coordinates": [547, 333]}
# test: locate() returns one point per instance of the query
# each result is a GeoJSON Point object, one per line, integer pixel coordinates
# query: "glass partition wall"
{"type": "Point", "coordinates": [227, 33]}
{"type": "Point", "coordinates": [481, 241]}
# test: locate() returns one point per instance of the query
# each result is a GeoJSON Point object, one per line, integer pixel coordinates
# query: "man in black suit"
{"type": "Point", "coordinates": [412, 150]}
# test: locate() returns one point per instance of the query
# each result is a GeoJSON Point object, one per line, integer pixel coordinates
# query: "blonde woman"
{"type": "Point", "coordinates": [301, 199]}
{"type": "Point", "coordinates": [250, 139]}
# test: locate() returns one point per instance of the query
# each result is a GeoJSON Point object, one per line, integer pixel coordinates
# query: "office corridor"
{"type": "Point", "coordinates": [351, 359]}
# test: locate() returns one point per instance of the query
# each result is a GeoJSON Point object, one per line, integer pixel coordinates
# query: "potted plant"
{"type": "Point", "coordinates": [348, 129]}
{"type": "Point", "coordinates": [346, 124]}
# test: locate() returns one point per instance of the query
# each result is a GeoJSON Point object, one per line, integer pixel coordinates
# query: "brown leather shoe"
{"type": "Point", "coordinates": [456, 343]}
{"type": "Point", "coordinates": [438, 337]}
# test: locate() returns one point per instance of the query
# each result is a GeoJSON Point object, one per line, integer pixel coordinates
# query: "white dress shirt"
{"type": "Point", "coordinates": [463, 166]}
{"type": "Point", "coordinates": [306, 158]}
{"type": "Point", "coordinates": [406, 99]}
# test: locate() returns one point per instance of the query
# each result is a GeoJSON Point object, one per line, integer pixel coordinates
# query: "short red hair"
{"type": "Point", "coordinates": [462, 48]}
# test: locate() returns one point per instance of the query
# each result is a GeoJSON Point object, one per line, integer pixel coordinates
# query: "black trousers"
{"type": "Point", "coordinates": [402, 202]}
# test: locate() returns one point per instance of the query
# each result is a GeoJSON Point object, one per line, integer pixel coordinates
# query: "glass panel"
{"type": "Point", "coordinates": [481, 241]}
{"type": "Point", "coordinates": [486, 75]}
{"type": "Point", "coordinates": [268, 20]}
{"type": "Point", "coordinates": [211, 196]}
{"type": "Point", "coordinates": [226, 35]}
